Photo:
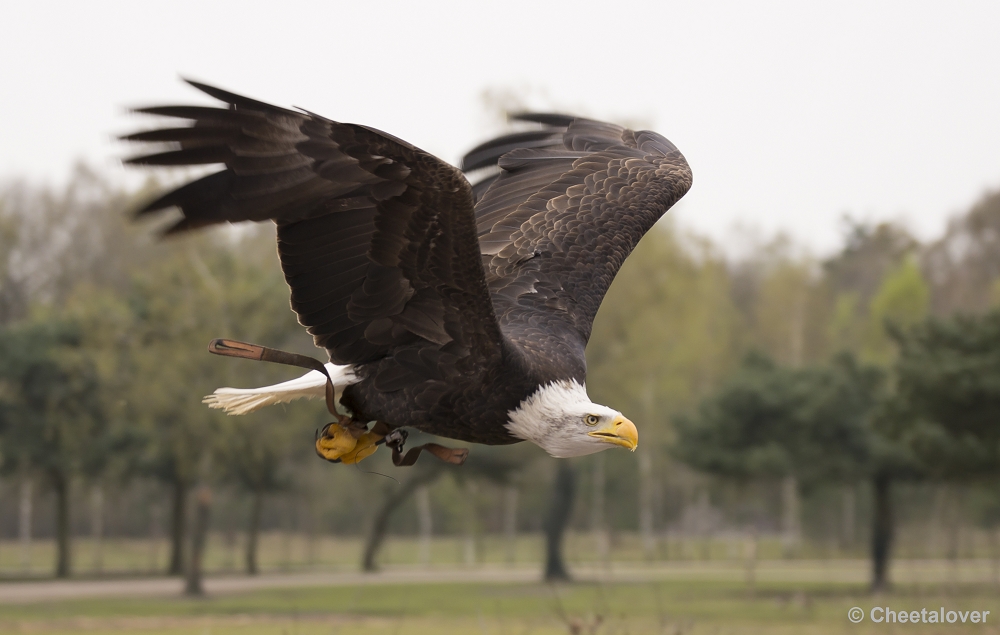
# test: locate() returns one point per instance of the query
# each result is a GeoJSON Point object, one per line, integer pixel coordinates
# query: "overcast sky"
{"type": "Point", "coordinates": [790, 113]}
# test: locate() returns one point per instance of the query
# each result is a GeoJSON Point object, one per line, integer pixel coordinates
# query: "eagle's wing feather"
{"type": "Point", "coordinates": [377, 238]}
{"type": "Point", "coordinates": [570, 203]}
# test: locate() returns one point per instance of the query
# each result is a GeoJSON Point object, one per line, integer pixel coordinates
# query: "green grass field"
{"type": "Point", "coordinates": [699, 588]}
{"type": "Point", "coordinates": [709, 606]}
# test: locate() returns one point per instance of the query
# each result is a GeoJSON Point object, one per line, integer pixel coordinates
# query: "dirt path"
{"type": "Point", "coordinates": [788, 571]}
{"type": "Point", "coordinates": [22, 592]}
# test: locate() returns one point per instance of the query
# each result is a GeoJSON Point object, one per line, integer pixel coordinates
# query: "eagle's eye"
{"type": "Point", "coordinates": [592, 420]}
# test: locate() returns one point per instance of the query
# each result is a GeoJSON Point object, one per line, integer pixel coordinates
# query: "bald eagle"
{"type": "Point", "coordinates": [456, 309]}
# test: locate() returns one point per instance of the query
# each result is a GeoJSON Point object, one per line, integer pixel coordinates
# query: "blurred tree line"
{"type": "Point", "coordinates": [777, 394]}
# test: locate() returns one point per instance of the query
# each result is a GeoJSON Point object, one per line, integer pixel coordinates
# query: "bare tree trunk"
{"type": "Point", "coordinates": [751, 560]}
{"type": "Point", "coordinates": [991, 537]}
{"type": "Point", "coordinates": [705, 524]}
{"type": "Point", "coordinates": [510, 495]}
{"type": "Point", "coordinates": [199, 537]}
{"type": "Point", "coordinates": [97, 527]}
{"type": "Point", "coordinates": [24, 524]}
{"type": "Point", "coordinates": [935, 526]}
{"type": "Point", "coordinates": [312, 532]}
{"type": "Point", "coordinates": [953, 528]}
{"type": "Point", "coordinates": [178, 522]}
{"type": "Point", "coordinates": [155, 518]}
{"type": "Point", "coordinates": [253, 532]}
{"type": "Point", "coordinates": [847, 517]}
{"type": "Point", "coordinates": [380, 523]}
{"type": "Point", "coordinates": [426, 523]}
{"type": "Point", "coordinates": [60, 483]}
{"type": "Point", "coordinates": [646, 505]}
{"type": "Point", "coordinates": [471, 523]}
{"type": "Point", "coordinates": [882, 533]}
{"type": "Point", "coordinates": [597, 522]}
{"type": "Point", "coordinates": [557, 520]}
{"type": "Point", "coordinates": [791, 515]}
{"type": "Point", "coordinates": [954, 532]}
{"type": "Point", "coordinates": [287, 529]}
{"type": "Point", "coordinates": [646, 478]}
{"type": "Point", "coordinates": [229, 538]}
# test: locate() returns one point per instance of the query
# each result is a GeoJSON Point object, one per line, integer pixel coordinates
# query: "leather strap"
{"type": "Point", "coordinates": [454, 456]}
{"type": "Point", "coordinates": [395, 439]}
{"type": "Point", "coordinates": [256, 352]}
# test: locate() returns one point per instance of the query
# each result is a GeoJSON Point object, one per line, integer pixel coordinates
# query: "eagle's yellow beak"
{"type": "Point", "coordinates": [621, 432]}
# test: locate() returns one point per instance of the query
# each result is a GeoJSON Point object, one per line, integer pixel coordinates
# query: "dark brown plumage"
{"type": "Point", "coordinates": [452, 302]}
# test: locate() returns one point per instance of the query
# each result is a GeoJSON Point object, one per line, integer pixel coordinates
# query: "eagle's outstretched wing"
{"type": "Point", "coordinates": [570, 203]}
{"type": "Point", "coordinates": [377, 238]}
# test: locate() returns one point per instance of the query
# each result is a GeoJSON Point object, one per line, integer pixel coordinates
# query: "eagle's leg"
{"type": "Point", "coordinates": [346, 441]}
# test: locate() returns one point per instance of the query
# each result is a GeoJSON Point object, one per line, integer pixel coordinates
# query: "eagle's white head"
{"type": "Point", "coordinates": [562, 419]}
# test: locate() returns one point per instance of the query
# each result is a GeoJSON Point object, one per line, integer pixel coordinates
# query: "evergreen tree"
{"type": "Point", "coordinates": [50, 412]}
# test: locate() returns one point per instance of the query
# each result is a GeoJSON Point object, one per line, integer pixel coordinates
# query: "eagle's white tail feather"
{"type": "Point", "coordinates": [312, 385]}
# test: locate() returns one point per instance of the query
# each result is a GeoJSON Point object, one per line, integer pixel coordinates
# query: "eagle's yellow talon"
{"type": "Point", "coordinates": [365, 447]}
{"type": "Point", "coordinates": [339, 443]}
{"type": "Point", "coordinates": [335, 442]}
